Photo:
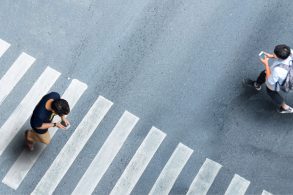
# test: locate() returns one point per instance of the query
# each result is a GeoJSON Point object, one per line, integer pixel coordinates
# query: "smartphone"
{"type": "Point", "coordinates": [262, 55]}
{"type": "Point", "coordinates": [64, 124]}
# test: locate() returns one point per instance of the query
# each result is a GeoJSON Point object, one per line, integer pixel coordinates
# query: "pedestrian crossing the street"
{"type": "Point", "coordinates": [109, 149]}
{"type": "Point", "coordinates": [20, 115]}
{"type": "Point", "coordinates": [25, 161]}
{"type": "Point", "coordinates": [73, 146]}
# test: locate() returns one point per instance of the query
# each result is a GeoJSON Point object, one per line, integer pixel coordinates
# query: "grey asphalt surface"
{"type": "Point", "coordinates": [175, 64]}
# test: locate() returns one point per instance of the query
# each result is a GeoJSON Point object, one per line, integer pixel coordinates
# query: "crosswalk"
{"type": "Point", "coordinates": [110, 148]}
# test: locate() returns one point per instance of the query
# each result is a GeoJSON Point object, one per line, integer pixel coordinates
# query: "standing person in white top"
{"type": "Point", "coordinates": [274, 76]}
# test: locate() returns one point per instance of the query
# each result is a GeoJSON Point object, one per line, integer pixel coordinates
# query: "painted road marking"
{"type": "Point", "coordinates": [27, 159]}
{"type": "Point", "coordinates": [238, 186]}
{"type": "Point", "coordinates": [19, 116]}
{"type": "Point", "coordinates": [139, 162]}
{"type": "Point", "coordinates": [72, 148]}
{"type": "Point", "coordinates": [106, 155]}
{"type": "Point", "coordinates": [204, 178]}
{"type": "Point", "coordinates": [14, 74]}
{"type": "Point", "coordinates": [171, 170]}
{"type": "Point", "coordinates": [266, 193]}
{"type": "Point", "coordinates": [3, 47]}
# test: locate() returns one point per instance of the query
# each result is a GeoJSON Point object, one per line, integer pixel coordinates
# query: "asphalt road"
{"type": "Point", "coordinates": [175, 64]}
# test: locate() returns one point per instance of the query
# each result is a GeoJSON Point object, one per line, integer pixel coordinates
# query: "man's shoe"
{"type": "Point", "coordinates": [251, 83]}
{"type": "Point", "coordinates": [256, 86]}
{"type": "Point", "coordinates": [283, 111]}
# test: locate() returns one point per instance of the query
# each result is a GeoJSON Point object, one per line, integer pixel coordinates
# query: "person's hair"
{"type": "Point", "coordinates": [282, 51]}
{"type": "Point", "coordinates": [61, 107]}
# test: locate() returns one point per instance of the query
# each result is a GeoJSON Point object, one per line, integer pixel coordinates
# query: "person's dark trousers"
{"type": "Point", "coordinates": [276, 97]}
{"type": "Point", "coordinates": [261, 79]}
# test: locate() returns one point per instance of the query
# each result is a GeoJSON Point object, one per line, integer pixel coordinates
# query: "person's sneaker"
{"type": "Point", "coordinates": [256, 86]}
{"type": "Point", "coordinates": [251, 83]}
{"type": "Point", "coordinates": [283, 111]}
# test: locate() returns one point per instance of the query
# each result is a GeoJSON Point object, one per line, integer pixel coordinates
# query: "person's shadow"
{"type": "Point", "coordinates": [255, 134]}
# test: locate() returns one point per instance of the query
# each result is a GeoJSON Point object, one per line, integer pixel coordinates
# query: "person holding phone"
{"type": "Point", "coordinates": [48, 107]}
{"type": "Point", "coordinates": [274, 76]}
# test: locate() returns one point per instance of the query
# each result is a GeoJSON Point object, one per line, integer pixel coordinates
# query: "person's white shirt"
{"type": "Point", "coordinates": [278, 74]}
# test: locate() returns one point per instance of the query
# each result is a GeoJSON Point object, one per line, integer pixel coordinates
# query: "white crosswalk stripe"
{"type": "Point", "coordinates": [139, 162]}
{"type": "Point", "coordinates": [238, 186]}
{"type": "Point", "coordinates": [205, 177]}
{"type": "Point", "coordinates": [72, 148]}
{"type": "Point", "coordinates": [266, 193]}
{"type": "Point", "coordinates": [106, 154]}
{"type": "Point", "coordinates": [3, 47]}
{"type": "Point", "coordinates": [14, 74]}
{"type": "Point", "coordinates": [19, 116]}
{"type": "Point", "coordinates": [171, 170]}
{"type": "Point", "coordinates": [26, 160]}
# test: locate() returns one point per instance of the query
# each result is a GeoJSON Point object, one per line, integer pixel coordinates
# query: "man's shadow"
{"type": "Point", "coordinates": [252, 123]}
{"type": "Point", "coordinates": [15, 148]}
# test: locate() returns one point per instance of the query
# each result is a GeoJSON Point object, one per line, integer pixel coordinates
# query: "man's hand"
{"type": "Point", "coordinates": [65, 120]}
{"type": "Point", "coordinates": [265, 61]}
{"type": "Point", "coordinates": [59, 125]}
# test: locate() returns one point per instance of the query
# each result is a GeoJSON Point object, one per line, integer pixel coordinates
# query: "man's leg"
{"type": "Point", "coordinates": [44, 138]}
{"type": "Point", "coordinates": [33, 137]}
{"type": "Point", "coordinates": [261, 79]}
{"type": "Point", "coordinates": [29, 139]}
{"type": "Point", "coordinates": [279, 100]}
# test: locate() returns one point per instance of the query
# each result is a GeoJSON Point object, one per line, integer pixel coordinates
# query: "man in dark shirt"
{"type": "Point", "coordinates": [49, 106]}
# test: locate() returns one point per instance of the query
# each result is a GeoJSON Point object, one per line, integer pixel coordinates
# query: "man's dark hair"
{"type": "Point", "coordinates": [282, 51]}
{"type": "Point", "coordinates": [61, 107]}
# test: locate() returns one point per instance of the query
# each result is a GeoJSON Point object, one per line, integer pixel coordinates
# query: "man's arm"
{"type": "Point", "coordinates": [49, 125]}
{"type": "Point", "coordinates": [265, 62]}
{"type": "Point", "coordinates": [270, 55]}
